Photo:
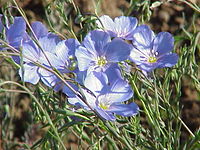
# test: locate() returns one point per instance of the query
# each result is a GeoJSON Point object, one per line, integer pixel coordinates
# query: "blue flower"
{"type": "Point", "coordinates": [152, 51]}
{"type": "Point", "coordinates": [55, 53]}
{"type": "Point", "coordinates": [122, 26]}
{"type": "Point", "coordinates": [51, 52]}
{"type": "Point", "coordinates": [98, 52]}
{"type": "Point", "coordinates": [106, 99]}
{"type": "Point", "coordinates": [94, 83]}
{"type": "Point", "coordinates": [14, 32]}
{"type": "Point", "coordinates": [65, 51]}
{"type": "Point", "coordinates": [32, 53]}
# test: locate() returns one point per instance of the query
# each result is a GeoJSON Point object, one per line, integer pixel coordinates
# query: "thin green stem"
{"type": "Point", "coordinates": [119, 137]}
{"type": "Point", "coordinates": [142, 100]}
{"type": "Point", "coordinates": [41, 108]}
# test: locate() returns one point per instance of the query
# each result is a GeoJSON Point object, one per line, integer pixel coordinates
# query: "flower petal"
{"type": "Point", "coordinates": [95, 41]}
{"type": "Point", "coordinates": [81, 75]}
{"type": "Point", "coordinates": [66, 48]}
{"type": "Point", "coordinates": [30, 51]}
{"type": "Point", "coordinates": [124, 109]}
{"type": "Point", "coordinates": [113, 73]}
{"type": "Point", "coordinates": [16, 59]}
{"type": "Point", "coordinates": [39, 29]}
{"type": "Point", "coordinates": [84, 57]}
{"type": "Point", "coordinates": [62, 51]}
{"type": "Point", "coordinates": [117, 50]}
{"type": "Point", "coordinates": [91, 99]}
{"type": "Point", "coordinates": [95, 81]}
{"type": "Point", "coordinates": [67, 90]}
{"type": "Point", "coordinates": [48, 78]}
{"type": "Point", "coordinates": [148, 67]}
{"type": "Point", "coordinates": [143, 37]}
{"type": "Point", "coordinates": [72, 44]}
{"type": "Point", "coordinates": [29, 73]}
{"type": "Point", "coordinates": [16, 32]}
{"type": "Point", "coordinates": [125, 26]}
{"type": "Point", "coordinates": [163, 43]}
{"type": "Point", "coordinates": [138, 56]}
{"type": "Point", "coordinates": [49, 42]}
{"type": "Point", "coordinates": [108, 25]}
{"type": "Point", "coordinates": [50, 59]}
{"type": "Point", "coordinates": [105, 115]}
{"type": "Point", "coordinates": [118, 91]}
{"type": "Point", "coordinates": [77, 102]}
{"type": "Point", "coordinates": [168, 60]}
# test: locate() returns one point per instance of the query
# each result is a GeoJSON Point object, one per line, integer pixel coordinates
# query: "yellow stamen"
{"type": "Point", "coordinates": [101, 61]}
{"type": "Point", "coordinates": [152, 59]}
{"type": "Point", "coordinates": [103, 106]}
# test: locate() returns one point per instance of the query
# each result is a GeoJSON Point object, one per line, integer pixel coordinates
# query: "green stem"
{"type": "Point", "coordinates": [37, 102]}
{"type": "Point", "coordinates": [142, 100]}
{"type": "Point", "coordinates": [119, 137]}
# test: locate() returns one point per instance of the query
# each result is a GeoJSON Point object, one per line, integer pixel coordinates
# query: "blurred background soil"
{"type": "Point", "coordinates": [167, 17]}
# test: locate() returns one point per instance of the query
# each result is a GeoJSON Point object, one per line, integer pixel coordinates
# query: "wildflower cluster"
{"type": "Point", "coordinates": [94, 62]}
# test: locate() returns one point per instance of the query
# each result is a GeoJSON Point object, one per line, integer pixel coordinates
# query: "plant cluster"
{"type": "Point", "coordinates": [98, 78]}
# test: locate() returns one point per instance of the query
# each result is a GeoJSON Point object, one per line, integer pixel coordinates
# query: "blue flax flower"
{"type": "Point", "coordinates": [32, 73]}
{"type": "Point", "coordinates": [54, 53]}
{"type": "Point", "coordinates": [106, 99]}
{"type": "Point", "coordinates": [98, 52]}
{"type": "Point", "coordinates": [51, 52]}
{"type": "Point", "coordinates": [121, 26]}
{"type": "Point", "coordinates": [14, 32]}
{"type": "Point", "coordinates": [67, 65]}
{"type": "Point", "coordinates": [39, 30]}
{"type": "Point", "coordinates": [152, 51]}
